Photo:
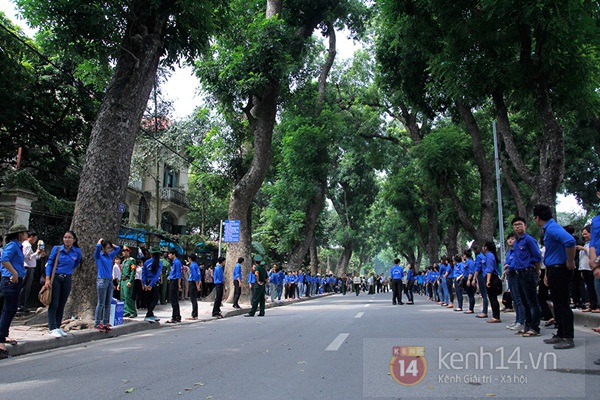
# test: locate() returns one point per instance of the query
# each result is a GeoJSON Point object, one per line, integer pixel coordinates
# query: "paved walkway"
{"type": "Point", "coordinates": [34, 338]}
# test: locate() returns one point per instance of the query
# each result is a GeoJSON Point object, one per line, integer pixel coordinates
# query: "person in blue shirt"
{"type": "Point", "coordinates": [411, 276]}
{"type": "Point", "coordinates": [449, 281]}
{"type": "Point", "coordinates": [493, 282]}
{"type": "Point", "coordinates": [526, 263]}
{"type": "Point", "coordinates": [459, 275]}
{"type": "Point", "coordinates": [237, 282]}
{"type": "Point", "coordinates": [468, 276]}
{"type": "Point", "coordinates": [12, 271]}
{"type": "Point", "coordinates": [220, 289]}
{"type": "Point", "coordinates": [104, 255]}
{"type": "Point", "coordinates": [444, 271]}
{"type": "Point", "coordinates": [594, 252]}
{"type": "Point", "coordinates": [480, 278]}
{"type": "Point", "coordinates": [150, 276]}
{"type": "Point", "coordinates": [68, 257]}
{"type": "Point", "coordinates": [396, 274]}
{"type": "Point", "coordinates": [195, 283]}
{"type": "Point", "coordinates": [174, 286]}
{"type": "Point", "coordinates": [559, 259]}
{"type": "Point", "coordinates": [280, 282]}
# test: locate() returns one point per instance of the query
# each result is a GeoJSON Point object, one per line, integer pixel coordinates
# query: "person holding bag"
{"type": "Point", "coordinates": [69, 258]}
{"type": "Point", "coordinates": [12, 270]}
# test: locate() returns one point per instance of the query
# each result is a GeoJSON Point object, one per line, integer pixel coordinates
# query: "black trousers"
{"type": "Point", "coordinates": [218, 299]}
{"type": "Point", "coordinates": [151, 299]}
{"type": "Point", "coordinates": [194, 299]}
{"type": "Point", "coordinates": [237, 292]}
{"type": "Point", "coordinates": [174, 298]}
{"type": "Point", "coordinates": [558, 282]}
{"type": "Point", "coordinates": [397, 291]}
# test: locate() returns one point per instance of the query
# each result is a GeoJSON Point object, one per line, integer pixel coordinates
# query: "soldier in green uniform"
{"type": "Point", "coordinates": [126, 283]}
{"type": "Point", "coordinates": [258, 293]}
{"type": "Point", "coordinates": [164, 276]}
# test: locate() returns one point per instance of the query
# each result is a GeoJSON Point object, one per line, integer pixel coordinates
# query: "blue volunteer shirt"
{"type": "Point", "coordinates": [595, 234]}
{"type": "Point", "coordinates": [237, 272]}
{"type": "Point", "coordinates": [490, 266]}
{"type": "Point", "coordinates": [104, 261]}
{"type": "Point", "coordinates": [194, 272]}
{"type": "Point", "coordinates": [251, 277]}
{"type": "Point", "coordinates": [149, 277]}
{"type": "Point", "coordinates": [459, 269]}
{"type": "Point", "coordinates": [13, 253]}
{"type": "Point", "coordinates": [525, 253]}
{"type": "Point", "coordinates": [469, 267]}
{"type": "Point", "coordinates": [479, 261]}
{"type": "Point", "coordinates": [218, 274]}
{"type": "Point", "coordinates": [510, 255]}
{"type": "Point", "coordinates": [67, 260]}
{"type": "Point", "coordinates": [556, 239]}
{"type": "Point", "coordinates": [175, 269]}
{"type": "Point", "coordinates": [397, 272]}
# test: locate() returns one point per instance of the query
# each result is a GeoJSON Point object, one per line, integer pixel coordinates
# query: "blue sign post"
{"type": "Point", "coordinates": [231, 231]}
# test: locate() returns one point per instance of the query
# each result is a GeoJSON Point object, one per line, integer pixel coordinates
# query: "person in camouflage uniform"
{"type": "Point", "coordinates": [164, 279]}
{"type": "Point", "coordinates": [126, 283]}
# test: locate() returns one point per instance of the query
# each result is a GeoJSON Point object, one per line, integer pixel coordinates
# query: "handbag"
{"type": "Point", "coordinates": [45, 294]}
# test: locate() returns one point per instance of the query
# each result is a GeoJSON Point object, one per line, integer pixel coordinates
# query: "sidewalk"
{"type": "Point", "coordinates": [35, 338]}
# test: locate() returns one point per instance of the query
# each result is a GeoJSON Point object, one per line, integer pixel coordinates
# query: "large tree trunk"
{"type": "Point", "coordinates": [261, 113]}
{"type": "Point", "coordinates": [485, 231]}
{"type": "Point", "coordinates": [342, 265]}
{"type": "Point", "coordinates": [432, 231]}
{"type": "Point", "coordinates": [104, 178]}
{"type": "Point", "coordinates": [314, 260]}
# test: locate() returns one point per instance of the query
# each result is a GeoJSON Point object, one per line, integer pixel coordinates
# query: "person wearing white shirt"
{"type": "Point", "coordinates": [31, 258]}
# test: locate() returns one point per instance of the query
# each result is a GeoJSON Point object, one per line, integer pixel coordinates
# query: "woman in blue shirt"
{"type": "Point", "coordinates": [150, 276]}
{"type": "Point", "coordinates": [411, 275]}
{"type": "Point", "coordinates": [104, 255]}
{"type": "Point", "coordinates": [13, 271]}
{"type": "Point", "coordinates": [469, 271]}
{"type": "Point", "coordinates": [69, 258]}
{"type": "Point", "coordinates": [493, 282]}
{"type": "Point", "coordinates": [459, 274]}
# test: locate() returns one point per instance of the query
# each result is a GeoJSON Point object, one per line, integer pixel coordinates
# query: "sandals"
{"type": "Point", "coordinates": [550, 322]}
{"type": "Point", "coordinates": [481, 316]}
{"type": "Point", "coordinates": [470, 312]}
{"type": "Point", "coordinates": [530, 333]}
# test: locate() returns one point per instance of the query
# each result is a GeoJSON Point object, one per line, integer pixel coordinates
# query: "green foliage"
{"type": "Point", "coordinates": [23, 179]}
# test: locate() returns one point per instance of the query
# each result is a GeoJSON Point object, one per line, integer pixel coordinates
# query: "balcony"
{"type": "Point", "coordinates": [175, 196]}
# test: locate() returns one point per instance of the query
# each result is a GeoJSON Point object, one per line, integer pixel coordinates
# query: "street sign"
{"type": "Point", "coordinates": [231, 231]}
{"type": "Point", "coordinates": [121, 207]}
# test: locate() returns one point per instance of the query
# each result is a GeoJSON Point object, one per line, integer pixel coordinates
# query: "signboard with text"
{"type": "Point", "coordinates": [231, 231]}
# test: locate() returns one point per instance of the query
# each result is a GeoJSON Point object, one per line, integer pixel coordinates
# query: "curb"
{"type": "Point", "coordinates": [90, 335]}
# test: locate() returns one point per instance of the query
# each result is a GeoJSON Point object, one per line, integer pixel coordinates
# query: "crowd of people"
{"type": "Point", "coordinates": [563, 268]}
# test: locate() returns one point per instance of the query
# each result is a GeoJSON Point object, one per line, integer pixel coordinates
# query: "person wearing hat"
{"type": "Point", "coordinates": [258, 292]}
{"type": "Point", "coordinates": [150, 276]}
{"type": "Point", "coordinates": [126, 283]}
{"type": "Point", "coordinates": [12, 272]}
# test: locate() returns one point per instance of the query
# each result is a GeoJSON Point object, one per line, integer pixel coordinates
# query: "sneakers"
{"type": "Point", "coordinates": [107, 328]}
{"type": "Point", "coordinates": [564, 344]}
{"type": "Point", "coordinates": [515, 327]}
{"type": "Point", "coordinates": [62, 333]}
{"type": "Point", "coordinates": [55, 333]}
{"type": "Point", "coordinates": [100, 328]}
{"type": "Point", "coordinates": [149, 319]}
{"type": "Point", "coordinates": [553, 340]}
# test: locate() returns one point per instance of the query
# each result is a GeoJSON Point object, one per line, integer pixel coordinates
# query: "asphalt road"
{"type": "Point", "coordinates": [338, 347]}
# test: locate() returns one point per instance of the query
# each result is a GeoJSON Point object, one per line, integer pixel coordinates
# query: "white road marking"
{"type": "Point", "coordinates": [337, 342]}
{"type": "Point", "coordinates": [360, 314]}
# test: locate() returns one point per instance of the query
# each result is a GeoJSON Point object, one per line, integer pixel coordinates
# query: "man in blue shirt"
{"type": "Point", "coordinates": [219, 282]}
{"type": "Point", "coordinates": [594, 251]}
{"type": "Point", "coordinates": [237, 282]}
{"type": "Point", "coordinates": [397, 273]}
{"type": "Point", "coordinates": [560, 261]}
{"type": "Point", "coordinates": [195, 285]}
{"type": "Point", "coordinates": [174, 286]}
{"type": "Point", "coordinates": [526, 264]}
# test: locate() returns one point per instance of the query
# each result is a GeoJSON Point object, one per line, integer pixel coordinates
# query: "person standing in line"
{"type": "Point", "coordinates": [104, 256]}
{"type": "Point", "coordinates": [163, 283]}
{"type": "Point", "coordinates": [151, 273]}
{"type": "Point", "coordinates": [219, 281]}
{"type": "Point", "coordinates": [469, 280]}
{"type": "Point", "coordinates": [126, 283]}
{"type": "Point", "coordinates": [258, 289]}
{"type": "Point", "coordinates": [175, 277]}
{"type": "Point", "coordinates": [585, 270]}
{"type": "Point", "coordinates": [31, 258]}
{"type": "Point", "coordinates": [210, 279]}
{"type": "Point", "coordinates": [273, 284]}
{"type": "Point", "coordinates": [526, 262]}
{"type": "Point", "coordinates": [396, 273]}
{"type": "Point", "coordinates": [450, 281]}
{"type": "Point", "coordinates": [594, 252]}
{"type": "Point", "coordinates": [12, 272]}
{"type": "Point", "coordinates": [480, 278]}
{"type": "Point", "coordinates": [459, 279]}
{"type": "Point", "coordinates": [280, 283]}
{"type": "Point", "coordinates": [444, 270]}
{"type": "Point", "coordinates": [559, 260]}
{"type": "Point", "coordinates": [194, 284]}
{"type": "Point", "coordinates": [237, 282]}
{"type": "Point", "coordinates": [493, 282]}
{"type": "Point", "coordinates": [513, 288]}
{"type": "Point", "coordinates": [411, 276]}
